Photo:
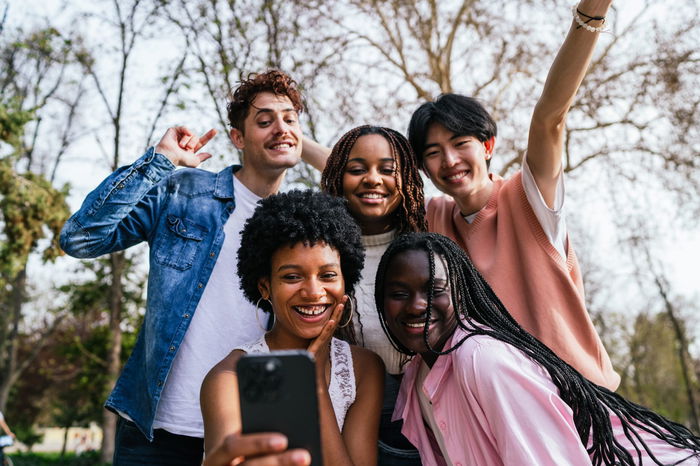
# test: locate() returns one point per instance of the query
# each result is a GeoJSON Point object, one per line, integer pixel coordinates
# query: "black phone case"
{"type": "Point", "coordinates": [278, 394]}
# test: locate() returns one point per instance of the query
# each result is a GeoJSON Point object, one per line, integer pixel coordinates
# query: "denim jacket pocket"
{"type": "Point", "coordinates": [178, 244]}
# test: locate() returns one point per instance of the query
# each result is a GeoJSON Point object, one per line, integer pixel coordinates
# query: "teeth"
{"type": "Point", "coordinates": [457, 176]}
{"type": "Point", "coordinates": [371, 196]}
{"type": "Point", "coordinates": [283, 145]}
{"type": "Point", "coordinates": [310, 310]}
{"type": "Point", "coordinates": [415, 325]}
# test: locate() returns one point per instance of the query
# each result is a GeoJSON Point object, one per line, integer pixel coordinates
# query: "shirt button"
{"type": "Point", "coordinates": [443, 426]}
{"type": "Point", "coordinates": [458, 463]}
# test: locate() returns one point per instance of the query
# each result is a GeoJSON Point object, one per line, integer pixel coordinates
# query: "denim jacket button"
{"type": "Point", "coordinates": [200, 285]}
{"type": "Point", "coordinates": [160, 383]}
{"type": "Point", "coordinates": [211, 254]}
{"type": "Point", "coordinates": [186, 316]}
{"type": "Point", "coordinates": [172, 348]}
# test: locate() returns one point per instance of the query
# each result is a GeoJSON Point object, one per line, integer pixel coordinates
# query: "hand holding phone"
{"type": "Point", "coordinates": [278, 394]}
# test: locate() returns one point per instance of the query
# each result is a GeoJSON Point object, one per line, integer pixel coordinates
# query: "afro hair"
{"type": "Point", "coordinates": [286, 219]}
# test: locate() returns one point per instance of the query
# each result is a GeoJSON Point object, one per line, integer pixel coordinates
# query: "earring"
{"type": "Point", "coordinates": [352, 311]}
{"type": "Point", "coordinates": [257, 316]}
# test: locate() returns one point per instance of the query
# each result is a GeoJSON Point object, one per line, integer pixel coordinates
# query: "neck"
{"type": "Point", "coordinates": [262, 184]}
{"type": "Point", "coordinates": [376, 228]}
{"type": "Point", "coordinates": [277, 340]}
{"type": "Point", "coordinates": [475, 200]}
{"type": "Point", "coordinates": [429, 357]}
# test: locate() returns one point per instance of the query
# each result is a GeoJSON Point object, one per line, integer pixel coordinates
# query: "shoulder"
{"type": "Point", "coordinates": [228, 364]}
{"type": "Point", "coordinates": [192, 181]}
{"type": "Point", "coordinates": [366, 363]}
{"type": "Point", "coordinates": [485, 361]}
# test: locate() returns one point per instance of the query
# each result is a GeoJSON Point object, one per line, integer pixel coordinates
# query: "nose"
{"type": "Point", "coordinates": [372, 177]}
{"type": "Point", "coordinates": [280, 126]}
{"type": "Point", "coordinates": [313, 290]}
{"type": "Point", "coordinates": [418, 305]}
{"type": "Point", "coordinates": [449, 158]}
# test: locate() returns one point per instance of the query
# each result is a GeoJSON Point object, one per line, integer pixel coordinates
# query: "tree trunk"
{"type": "Point", "coordinates": [109, 420]}
{"type": "Point", "coordinates": [682, 354]}
{"type": "Point", "coordinates": [65, 441]}
{"type": "Point", "coordinates": [16, 301]}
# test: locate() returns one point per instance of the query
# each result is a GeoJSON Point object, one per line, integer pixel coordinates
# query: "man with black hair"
{"type": "Point", "coordinates": [514, 230]}
{"type": "Point", "coordinates": [191, 219]}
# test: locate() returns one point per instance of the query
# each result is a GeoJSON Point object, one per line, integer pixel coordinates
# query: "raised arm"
{"type": "Point", "coordinates": [545, 142]}
{"type": "Point", "coordinates": [315, 154]}
{"type": "Point", "coordinates": [123, 209]}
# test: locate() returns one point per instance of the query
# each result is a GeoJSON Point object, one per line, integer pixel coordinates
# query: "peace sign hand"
{"type": "Point", "coordinates": [180, 146]}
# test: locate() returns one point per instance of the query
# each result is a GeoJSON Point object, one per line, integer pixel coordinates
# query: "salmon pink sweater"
{"type": "Point", "coordinates": [541, 290]}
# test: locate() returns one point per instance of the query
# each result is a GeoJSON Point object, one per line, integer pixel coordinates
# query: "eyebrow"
{"type": "Point", "coordinates": [269, 110]}
{"type": "Point", "coordinates": [362, 159]}
{"type": "Point", "coordinates": [297, 266]}
{"type": "Point", "coordinates": [456, 136]}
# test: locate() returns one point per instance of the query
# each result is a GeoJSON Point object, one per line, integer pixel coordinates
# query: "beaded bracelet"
{"type": "Point", "coordinates": [585, 25]}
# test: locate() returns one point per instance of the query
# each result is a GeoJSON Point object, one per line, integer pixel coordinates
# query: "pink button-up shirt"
{"type": "Point", "coordinates": [496, 406]}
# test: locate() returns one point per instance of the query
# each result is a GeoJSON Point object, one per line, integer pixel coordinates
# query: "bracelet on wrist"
{"type": "Point", "coordinates": [584, 24]}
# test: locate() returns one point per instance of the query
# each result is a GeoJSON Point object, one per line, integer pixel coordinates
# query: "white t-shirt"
{"type": "Point", "coordinates": [224, 320]}
{"type": "Point", "coordinates": [552, 220]}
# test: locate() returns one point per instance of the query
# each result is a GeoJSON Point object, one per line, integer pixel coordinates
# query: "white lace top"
{"type": "Point", "coordinates": [342, 386]}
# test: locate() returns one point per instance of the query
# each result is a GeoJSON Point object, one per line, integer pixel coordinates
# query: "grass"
{"type": "Point", "coordinates": [91, 458]}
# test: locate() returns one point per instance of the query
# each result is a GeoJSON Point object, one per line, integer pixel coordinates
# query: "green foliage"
{"type": "Point", "coordinates": [655, 377]}
{"type": "Point", "coordinates": [90, 458]}
{"type": "Point", "coordinates": [29, 207]}
{"type": "Point", "coordinates": [27, 434]}
{"type": "Point", "coordinates": [12, 121]}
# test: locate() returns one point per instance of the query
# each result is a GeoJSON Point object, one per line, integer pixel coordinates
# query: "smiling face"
{"type": "Point", "coordinates": [457, 164]}
{"type": "Point", "coordinates": [406, 292]}
{"type": "Point", "coordinates": [369, 184]}
{"type": "Point", "coordinates": [272, 136]}
{"type": "Point", "coordinates": [305, 284]}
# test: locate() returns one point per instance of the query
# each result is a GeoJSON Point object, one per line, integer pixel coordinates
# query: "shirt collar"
{"type": "Point", "coordinates": [224, 182]}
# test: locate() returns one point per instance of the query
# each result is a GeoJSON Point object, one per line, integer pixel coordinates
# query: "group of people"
{"type": "Point", "coordinates": [470, 344]}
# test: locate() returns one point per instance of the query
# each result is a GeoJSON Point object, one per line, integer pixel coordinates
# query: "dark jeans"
{"type": "Point", "coordinates": [394, 448]}
{"type": "Point", "coordinates": [132, 448]}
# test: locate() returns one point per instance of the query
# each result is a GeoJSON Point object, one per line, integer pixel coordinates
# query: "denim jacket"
{"type": "Point", "coordinates": [181, 215]}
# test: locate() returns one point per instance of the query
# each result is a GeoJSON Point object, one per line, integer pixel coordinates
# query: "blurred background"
{"type": "Point", "coordinates": [88, 86]}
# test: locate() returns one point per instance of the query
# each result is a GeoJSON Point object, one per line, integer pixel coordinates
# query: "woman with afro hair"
{"type": "Point", "coordinates": [300, 258]}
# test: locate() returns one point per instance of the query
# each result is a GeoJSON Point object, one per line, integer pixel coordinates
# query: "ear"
{"type": "Point", "coordinates": [264, 287]}
{"type": "Point", "coordinates": [489, 144]}
{"type": "Point", "coordinates": [237, 138]}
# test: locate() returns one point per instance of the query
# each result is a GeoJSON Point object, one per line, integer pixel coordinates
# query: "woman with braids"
{"type": "Point", "coordinates": [481, 390]}
{"type": "Point", "coordinates": [300, 257]}
{"type": "Point", "coordinates": [374, 169]}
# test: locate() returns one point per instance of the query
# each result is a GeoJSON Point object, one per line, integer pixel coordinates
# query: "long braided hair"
{"type": "Point", "coordinates": [411, 214]}
{"type": "Point", "coordinates": [480, 312]}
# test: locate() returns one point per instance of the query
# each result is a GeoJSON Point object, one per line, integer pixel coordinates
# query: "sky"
{"type": "Point", "coordinates": [680, 248]}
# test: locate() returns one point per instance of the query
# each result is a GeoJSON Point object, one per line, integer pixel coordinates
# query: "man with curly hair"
{"type": "Point", "coordinates": [191, 219]}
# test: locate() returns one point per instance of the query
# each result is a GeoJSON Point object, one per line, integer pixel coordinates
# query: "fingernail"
{"type": "Point", "coordinates": [278, 443]}
{"type": "Point", "coordinates": [301, 457]}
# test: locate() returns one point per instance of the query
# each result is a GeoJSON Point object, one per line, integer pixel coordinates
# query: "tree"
{"type": "Point", "coordinates": [112, 72]}
{"type": "Point", "coordinates": [32, 84]}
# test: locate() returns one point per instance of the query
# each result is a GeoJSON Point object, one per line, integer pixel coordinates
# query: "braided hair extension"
{"type": "Point", "coordinates": [480, 312]}
{"type": "Point", "coordinates": [411, 215]}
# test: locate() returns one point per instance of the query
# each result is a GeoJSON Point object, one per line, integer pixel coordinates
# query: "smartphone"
{"type": "Point", "coordinates": [278, 394]}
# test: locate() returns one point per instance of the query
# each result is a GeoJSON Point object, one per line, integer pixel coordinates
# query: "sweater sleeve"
{"type": "Point", "coordinates": [529, 421]}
